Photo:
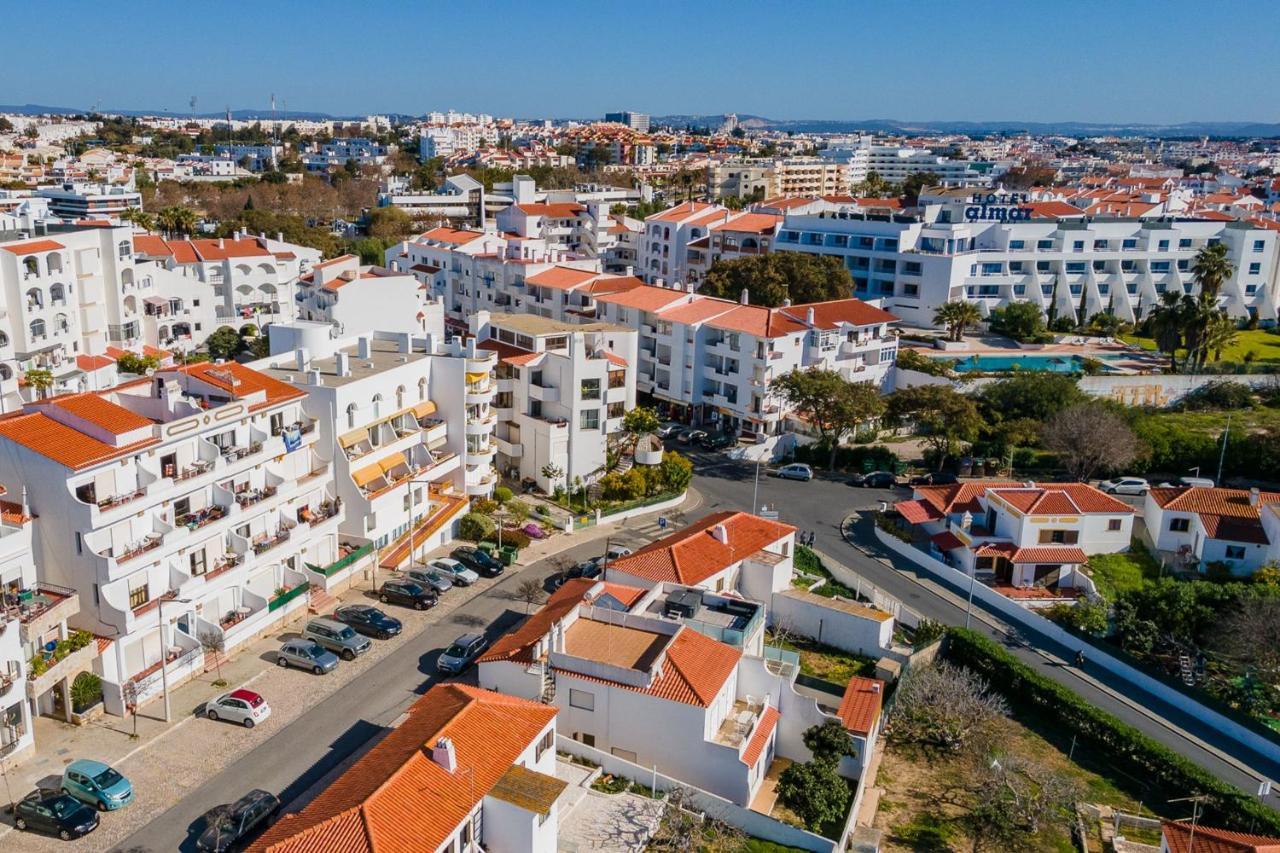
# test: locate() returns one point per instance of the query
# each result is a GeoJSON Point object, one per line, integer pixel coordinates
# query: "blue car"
{"type": "Point", "coordinates": [97, 784]}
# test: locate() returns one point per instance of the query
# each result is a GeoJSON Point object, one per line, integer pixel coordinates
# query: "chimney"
{"type": "Point", "coordinates": [342, 363]}
{"type": "Point", "coordinates": [1254, 496]}
{"type": "Point", "coordinates": [364, 346]}
{"type": "Point", "coordinates": [808, 316]}
{"type": "Point", "coordinates": [786, 303]}
{"type": "Point", "coordinates": [966, 521]}
{"type": "Point", "coordinates": [301, 357]}
{"type": "Point", "coordinates": [875, 687]}
{"type": "Point", "coordinates": [444, 754]}
{"type": "Point", "coordinates": [222, 242]}
{"type": "Point", "coordinates": [720, 533]}
{"type": "Point", "coordinates": [313, 378]}
{"type": "Point", "coordinates": [743, 297]}
{"type": "Point", "coordinates": [280, 236]}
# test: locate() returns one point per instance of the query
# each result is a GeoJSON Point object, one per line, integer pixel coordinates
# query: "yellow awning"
{"type": "Point", "coordinates": [477, 377]}
{"type": "Point", "coordinates": [366, 475]}
{"type": "Point", "coordinates": [352, 438]}
{"type": "Point", "coordinates": [426, 407]}
{"type": "Point", "coordinates": [392, 461]}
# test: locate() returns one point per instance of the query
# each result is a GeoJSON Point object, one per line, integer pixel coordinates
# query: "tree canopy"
{"type": "Point", "coordinates": [771, 279]}
{"type": "Point", "coordinates": [832, 404]}
{"type": "Point", "coordinates": [1022, 321]}
{"type": "Point", "coordinates": [943, 417]}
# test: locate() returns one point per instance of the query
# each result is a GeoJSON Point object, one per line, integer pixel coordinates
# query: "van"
{"type": "Point", "coordinates": [336, 637]}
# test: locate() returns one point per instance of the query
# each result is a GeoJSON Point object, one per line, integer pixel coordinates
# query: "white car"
{"type": "Point", "coordinates": [795, 471]}
{"type": "Point", "coordinates": [454, 571]}
{"type": "Point", "coordinates": [1125, 486]}
{"type": "Point", "coordinates": [239, 706]}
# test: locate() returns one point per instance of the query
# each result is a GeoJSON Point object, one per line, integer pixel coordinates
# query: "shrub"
{"type": "Point", "coordinates": [518, 538]}
{"type": "Point", "coordinates": [623, 487]}
{"type": "Point", "coordinates": [502, 494]}
{"type": "Point", "coordinates": [484, 506]}
{"type": "Point", "coordinates": [1217, 395]}
{"type": "Point", "coordinates": [848, 458]}
{"type": "Point", "coordinates": [86, 690]}
{"type": "Point", "coordinates": [476, 527]}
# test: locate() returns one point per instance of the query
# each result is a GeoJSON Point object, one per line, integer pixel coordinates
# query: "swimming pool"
{"type": "Point", "coordinates": [1004, 363]}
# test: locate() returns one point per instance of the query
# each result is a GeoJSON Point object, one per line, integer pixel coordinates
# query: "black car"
{"type": "Point", "coordinates": [230, 825]}
{"type": "Point", "coordinates": [55, 813]}
{"type": "Point", "coordinates": [408, 593]}
{"type": "Point", "coordinates": [589, 569]}
{"type": "Point", "coordinates": [477, 560]}
{"type": "Point", "coordinates": [937, 478]}
{"type": "Point", "coordinates": [718, 441]}
{"type": "Point", "coordinates": [874, 480]}
{"type": "Point", "coordinates": [368, 620]}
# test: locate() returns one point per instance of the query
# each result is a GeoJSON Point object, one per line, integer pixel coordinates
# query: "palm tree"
{"type": "Point", "coordinates": [956, 316]}
{"type": "Point", "coordinates": [40, 380]}
{"type": "Point", "coordinates": [177, 220]}
{"type": "Point", "coordinates": [140, 218]}
{"type": "Point", "coordinates": [1211, 269]}
{"type": "Point", "coordinates": [1219, 333]}
{"type": "Point", "coordinates": [1168, 324]}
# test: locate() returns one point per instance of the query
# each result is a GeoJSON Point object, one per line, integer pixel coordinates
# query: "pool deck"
{"type": "Point", "coordinates": [1120, 357]}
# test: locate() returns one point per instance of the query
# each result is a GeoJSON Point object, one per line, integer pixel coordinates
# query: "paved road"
{"type": "Point", "coordinates": [822, 505]}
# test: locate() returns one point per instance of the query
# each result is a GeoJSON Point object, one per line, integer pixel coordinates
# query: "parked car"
{"type": "Point", "coordinates": [1125, 486]}
{"type": "Point", "coordinates": [239, 706]}
{"type": "Point", "coordinates": [454, 571]}
{"type": "Point", "coordinates": [795, 471]}
{"type": "Point", "coordinates": [534, 531]}
{"type": "Point", "coordinates": [229, 826]}
{"type": "Point", "coordinates": [97, 784]}
{"type": "Point", "coordinates": [430, 578]}
{"type": "Point", "coordinates": [668, 429]}
{"type": "Point", "coordinates": [306, 654]}
{"type": "Point", "coordinates": [691, 435]}
{"type": "Point", "coordinates": [613, 552]}
{"type": "Point", "coordinates": [477, 560]}
{"type": "Point", "coordinates": [462, 653]}
{"type": "Point", "coordinates": [935, 478]}
{"type": "Point", "coordinates": [407, 593]}
{"type": "Point", "coordinates": [368, 620]}
{"type": "Point", "coordinates": [54, 813]}
{"type": "Point", "coordinates": [1187, 482]}
{"type": "Point", "coordinates": [719, 441]}
{"type": "Point", "coordinates": [586, 569]}
{"type": "Point", "coordinates": [338, 638]}
{"type": "Point", "coordinates": [875, 480]}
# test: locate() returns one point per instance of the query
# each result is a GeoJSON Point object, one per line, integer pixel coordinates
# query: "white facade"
{"type": "Point", "coordinates": [1198, 526]}
{"type": "Point", "coordinates": [356, 299]}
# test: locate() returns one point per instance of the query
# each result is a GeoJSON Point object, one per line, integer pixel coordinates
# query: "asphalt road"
{"type": "Point", "coordinates": [821, 506]}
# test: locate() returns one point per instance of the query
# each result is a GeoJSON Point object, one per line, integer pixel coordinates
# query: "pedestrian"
{"type": "Point", "coordinates": [1080, 659]}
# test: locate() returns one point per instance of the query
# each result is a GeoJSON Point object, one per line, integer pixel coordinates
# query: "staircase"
{"type": "Point", "coordinates": [318, 601]}
{"type": "Point", "coordinates": [548, 684]}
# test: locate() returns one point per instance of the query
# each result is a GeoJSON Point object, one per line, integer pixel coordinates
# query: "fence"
{"type": "Point", "coordinates": [1135, 678]}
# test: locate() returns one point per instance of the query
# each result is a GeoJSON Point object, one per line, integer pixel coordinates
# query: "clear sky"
{"type": "Point", "coordinates": [1157, 61]}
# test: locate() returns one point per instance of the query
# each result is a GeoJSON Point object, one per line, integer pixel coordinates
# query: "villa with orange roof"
{"type": "Point", "coordinates": [1026, 539]}
{"type": "Point", "coordinates": [1196, 526]}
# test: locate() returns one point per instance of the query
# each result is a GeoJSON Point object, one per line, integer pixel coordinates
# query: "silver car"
{"type": "Point", "coordinates": [795, 471]}
{"type": "Point", "coordinates": [462, 653]}
{"type": "Point", "coordinates": [429, 577]}
{"type": "Point", "coordinates": [306, 654]}
{"type": "Point", "coordinates": [454, 571]}
{"type": "Point", "coordinates": [337, 637]}
{"type": "Point", "coordinates": [239, 706]}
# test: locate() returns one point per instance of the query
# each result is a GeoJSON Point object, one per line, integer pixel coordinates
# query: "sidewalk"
{"type": "Point", "coordinates": [162, 777]}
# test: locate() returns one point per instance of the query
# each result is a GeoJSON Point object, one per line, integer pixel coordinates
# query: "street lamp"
{"type": "Point", "coordinates": [755, 489]}
{"type": "Point", "coordinates": [164, 654]}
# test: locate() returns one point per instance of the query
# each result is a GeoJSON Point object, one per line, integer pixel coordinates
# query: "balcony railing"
{"type": "Point", "coordinates": [327, 510]}
{"type": "Point", "coordinates": [138, 548]}
{"type": "Point", "coordinates": [249, 497]}
{"type": "Point", "coordinates": [261, 546]}
{"type": "Point", "coordinates": [200, 518]}
{"type": "Point", "coordinates": [233, 454]}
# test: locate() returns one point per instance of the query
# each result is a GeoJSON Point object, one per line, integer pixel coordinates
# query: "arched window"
{"type": "Point", "coordinates": [666, 233]}
{"type": "Point", "coordinates": [60, 323]}
{"type": "Point", "coordinates": [266, 269]}
{"type": "Point", "coordinates": [32, 266]}
{"type": "Point", "coordinates": [243, 269]}
{"type": "Point", "coordinates": [37, 330]}
{"type": "Point", "coordinates": [35, 298]}
{"type": "Point", "coordinates": [4, 339]}
{"type": "Point", "coordinates": [377, 405]}
{"type": "Point", "coordinates": [6, 372]}
{"type": "Point", "coordinates": [126, 279]}
{"type": "Point", "coordinates": [131, 304]}
{"type": "Point", "coordinates": [125, 250]}
{"type": "Point", "coordinates": [400, 398]}
{"type": "Point", "coordinates": [58, 294]}
{"type": "Point", "coordinates": [351, 416]}
{"type": "Point", "coordinates": [54, 263]}
{"type": "Point", "coordinates": [422, 389]}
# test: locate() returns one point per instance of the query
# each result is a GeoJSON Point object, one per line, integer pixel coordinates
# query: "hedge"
{"type": "Point", "coordinates": [1168, 774]}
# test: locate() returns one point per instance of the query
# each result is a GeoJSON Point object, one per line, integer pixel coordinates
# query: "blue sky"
{"type": "Point", "coordinates": [1159, 61]}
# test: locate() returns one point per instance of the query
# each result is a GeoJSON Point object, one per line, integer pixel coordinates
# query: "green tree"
{"type": "Point", "coordinates": [176, 221]}
{"type": "Point", "coordinates": [389, 222]}
{"type": "Point", "coordinates": [943, 417]}
{"type": "Point", "coordinates": [914, 183]}
{"type": "Point", "coordinates": [1210, 270]}
{"type": "Point", "coordinates": [1029, 394]}
{"type": "Point", "coordinates": [139, 218]}
{"type": "Point", "coordinates": [771, 279]}
{"type": "Point", "coordinates": [40, 380]}
{"type": "Point", "coordinates": [136, 364]}
{"type": "Point", "coordinates": [830, 741]}
{"type": "Point", "coordinates": [1020, 320]}
{"type": "Point", "coordinates": [956, 317]}
{"type": "Point", "coordinates": [815, 792]}
{"type": "Point", "coordinates": [677, 472]}
{"type": "Point", "coordinates": [832, 404]}
{"type": "Point", "coordinates": [223, 343]}
{"type": "Point", "coordinates": [1168, 323]}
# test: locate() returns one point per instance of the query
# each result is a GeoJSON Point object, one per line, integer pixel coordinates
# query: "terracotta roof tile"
{"type": "Point", "coordinates": [760, 737]}
{"type": "Point", "coordinates": [241, 381]}
{"type": "Point", "coordinates": [103, 413]}
{"type": "Point", "coordinates": [646, 298]}
{"type": "Point", "coordinates": [1048, 554]}
{"type": "Point", "coordinates": [562, 278]}
{"type": "Point", "coordinates": [518, 645]}
{"type": "Point", "coordinates": [757, 321]}
{"type": "Point", "coordinates": [1177, 838]}
{"type": "Point", "coordinates": [64, 445]}
{"type": "Point", "coordinates": [860, 705]}
{"type": "Point", "coordinates": [455, 236]}
{"type": "Point", "coordinates": [828, 315]}
{"type": "Point", "coordinates": [694, 670]}
{"type": "Point", "coordinates": [918, 512]}
{"type": "Point", "coordinates": [32, 247]}
{"type": "Point", "coordinates": [692, 555]}
{"type": "Point", "coordinates": [89, 363]}
{"type": "Point", "coordinates": [699, 309]}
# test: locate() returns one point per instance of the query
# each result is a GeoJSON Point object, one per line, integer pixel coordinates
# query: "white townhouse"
{"type": "Point", "coordinates": [354, 299]}
{"type": "Point", "coordinates": [191, 501]}
{"type": "Point", "coordinates": [31, 614]}
{"type": "Point", "coordinates": [667, 236]}
{"type": "Point", "coordinates": [396, 414]}
{"type": "Point", "coordinates": [1027, 540]}
{"type": "Point", "coordinates": [465, 770]}
{"type": "Point", "coordinates": [995, 248]}
{"type": "Point", "coordinates": [1197, 526]}
{"type": "Point", "coordinates": [569, 225]}
{"type": "Point", "coordinates": [562, 391]}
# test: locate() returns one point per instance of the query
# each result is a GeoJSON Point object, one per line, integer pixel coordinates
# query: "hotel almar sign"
{"type": "Point", "coordinates": [998, 207]}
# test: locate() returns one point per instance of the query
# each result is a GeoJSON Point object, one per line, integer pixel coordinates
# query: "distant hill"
{"type": "Point", "coordinates": [979, 128]}
{"type": "Point", "coordinates": [240, 115]}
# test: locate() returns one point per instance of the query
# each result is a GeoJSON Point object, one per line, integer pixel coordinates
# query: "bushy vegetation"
{"type": "Point", "coordinates": [476, 527]}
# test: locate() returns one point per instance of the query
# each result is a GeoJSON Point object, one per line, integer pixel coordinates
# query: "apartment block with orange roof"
{"type": "Point", "coordinates": [197, 492]}
{"type": "Point", "coordinates": [355, 298]}
{"type": "Point", "coordinates": [667, 237]}
{"type": "Point", "coordinates": [1195, 526]}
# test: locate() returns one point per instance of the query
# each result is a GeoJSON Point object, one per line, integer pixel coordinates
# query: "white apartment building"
{"type": "Point", "coordinates": [808, 176]}
{"type": "Point", "coordinates": [454, 139]}
{"type": "Point", "coordinates": [562, 390]}
{"type": "Point", "coordinates": [462, 198]}
{"type": "Point", "coordinates": [89, 201]}
{"type": "Point", "coordinates": [336, 154]}
{"type": "Point", "coordinates": [996, 249]}
{"type": "Point", "coordinates": [355, 299]}
{"type": "Point", "coordinates": [896, 163]}
{"type": "Point", "coordinates": [31, 614]}
{"type": "Point", "coordinates": [256, 158]}
{"type": "Point", "coordinates": [191, 502]}
{"type": "Point", "coordinates": [667, 235]}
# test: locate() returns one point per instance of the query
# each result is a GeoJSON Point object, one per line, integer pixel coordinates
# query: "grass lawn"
{"type": "Point", "coordinates": [759, 845]}
{"type": "Point", "coordinates": [1264, 344]}
{"type": "Point", "coordinates": [825, 662]}
{"type": "Point", "coordinates": [1117, 573]}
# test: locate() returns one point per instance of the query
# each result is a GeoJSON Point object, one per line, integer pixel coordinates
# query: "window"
{"type": "Point", "coordinates": [1113, 524]}
{"type": "Point", "coordinates": [547, 741]}
{"type": "Point", "coordinates": [1042, 266]}
{"type": "Point", "coordinates": [617, 410]}
{"type": "Point", "coordinates": [1259, 245]}
{"type": "Point", "coordinates": [586, 739]}
{"type": "Point", "coordinates": [1044, 245]}
{"type": "Point", "coordinates": [1255, 268]}
{"type": "Point", "coordinates": [591, 389]}
{"type": "Point", "coordinates": [139, 596]}
{"type": "Point", "coordinates": [1129, 244]}
{"type": "Point", "coordinates": [590, 419]}
{"type": "Point", "coordinates": [582, 699]}
{"type": "Point", "coordinates": [624, 754]}
{"type": "Point", "coordinates": [1016, 244]}
{"type": "Point", "coordinates": [1163, 246]}
{"type": "Point", "coordinates": [1235, 552]}
{"type": "Point", "coordinates": [198, 566]}
{"type": "Point", "coordinates": [1059, 537]}
{"type": "Point", "coordinates": [1077, 246]}
{"type": "Point", "coordinates": [1179, 525]}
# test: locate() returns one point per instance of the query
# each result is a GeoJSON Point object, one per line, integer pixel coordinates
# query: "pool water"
{"type": "Point", "coordinates": [1000, 363]}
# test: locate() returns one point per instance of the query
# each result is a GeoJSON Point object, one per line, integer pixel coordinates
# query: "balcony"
{"type": "Point", "coordinates": [150, 542]}
{"type": "Point", "coordinates": [325, 510]}
{"type": "Point", "coordinates": [264, 542]}
{"type": "Point", "coordinates": [235, 453]}
{"type": "Point", "coordinates": [201, 518]}
{"type": "Point", "coordinates": [545, 393]}
{"type": "Point", "coordinates": [54, 667]}
{"type": "Point", "coordinates": [41, 608]}
{"type": "Point", "coordinates": [481, 426]}
{"type": "Point", "coordinates": [247, 497]}
{"type": "Point", "coordinates": [738, 724]}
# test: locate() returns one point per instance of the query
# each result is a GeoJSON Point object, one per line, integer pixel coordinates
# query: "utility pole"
{"type": "Point", "coordinates": [1223, 456]}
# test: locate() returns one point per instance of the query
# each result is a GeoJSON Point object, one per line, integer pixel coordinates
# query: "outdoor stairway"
{"type": "Point", "coordinates": [625, 464]}
{"type": "Point", "coordinates": [318, 601]}
{"type": "Point", "coordinates": [548, 684]}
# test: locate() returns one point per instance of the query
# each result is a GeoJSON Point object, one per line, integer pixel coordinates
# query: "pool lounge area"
{"type": "Point", "coordinates": [1112, 361]}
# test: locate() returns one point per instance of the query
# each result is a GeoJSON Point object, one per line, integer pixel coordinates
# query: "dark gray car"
{"type": "Point", "coordinates": [462, 653]}
{"type": "Point", "coordinates": [338, 638]}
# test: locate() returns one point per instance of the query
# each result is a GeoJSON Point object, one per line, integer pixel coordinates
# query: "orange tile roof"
{"type": "Point", "coordinates": [646, 298]}
{"type": "Point", "coordinates": [918, 512]}
{"type": "Point", "coordinates": [100, 412]}
{"type": "Point", "coordinates": [224, 249]}
{"type": "Point", "coordinates": [150, 244]}
{"type": "Point", "coordinates": [64, 445]}
{"type": "Point", "coordinates": [456, 236]}
{"type": "Point", "coordinates": [1048, 554]}
{"type": "Point", "coordinates": [90, 363]}
{"type": "Point", "coordinates": [1177, 837]}
{"type": "Point", "coordinates": [1060, 499]}
{"type": "Point", "coordinates": [615, 359]}
{"type": "Point", "coordinates": [564, 210]}
{"type": "Point", "coordinates": [183, 251]}
{"type": "Point", "coordinates": [240, 381]}
{"type": "Point", "coordinates": [692, 555]}
{"type": "Point", "coordinates": [827, 315]}
{"type": "Point", "coordinates": [679, 212]}
{"type": "Point", "coordinates": [760, 737]}
{"type": "Point", "coordinates": [693, 670]}
{"type": "Point", "coordinates": [861, 703]}
{"type": "Point", "coordinates": [32, 247]}
{"type": "Point", "coordinates": [757, 321]}
{"type": "Point", "coordinates": [518, 645]}
{"type": "Point", "coordinates": [562, 278]}
{"type": "Point", "coordinates": [396, 797]}
{"type": "Point", "coordinates": [608, 284]}
{"type": "Point", "coordinates": [751, 223]}
{"type": "Point", "coordinates": [1228, 502]}
{"type": "Point", "coordinates": [1053, 209]}
{"type": "Point", "coordinates": [946, 540]}
{"type": "Point", "coordinates": [699, 310]}
{"type": "Point", "coordinates": [958, 497]}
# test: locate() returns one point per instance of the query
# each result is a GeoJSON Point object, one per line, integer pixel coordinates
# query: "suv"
{"type": "Point", "coordinates": [408, 593]}
{"type": "Point", "coordinates": [336, 637]}
{"type": "Point", "coordinates": [454, 571]}
{"type": "Point", "coordinates": [875, 480]}
{"type": "Point", "coordinates": [462, 653]}
{"type": "Point", "coordinates": [430, 578]}
{"type": "Point", "coordinates": [227, 827]}
{"type": "Point", "coordinates": [306, 654]}
{"type": "Point", "coordinates": [474, 558]}
{"type": "Point", "coordinates": [55, 813]}
{"type": "Point", "coordinates": [97, 784]}
{"type": "Point", "coordinates": [368, 620]}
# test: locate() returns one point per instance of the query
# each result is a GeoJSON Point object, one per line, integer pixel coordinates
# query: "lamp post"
{"type": "Point", "coordinates": [164, 654]}
{"type": "Point", "coordinates": [755, 489]}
